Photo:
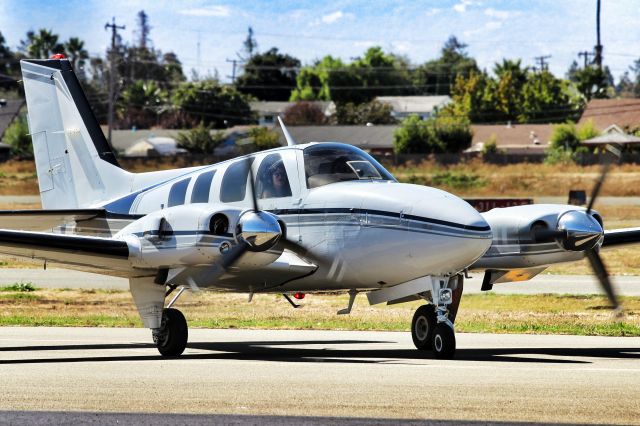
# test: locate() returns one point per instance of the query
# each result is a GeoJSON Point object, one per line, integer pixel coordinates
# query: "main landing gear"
{"type": "Point", "coordinates": [171, 337]}
{"type": "Point", "coordinates": [432, 325]}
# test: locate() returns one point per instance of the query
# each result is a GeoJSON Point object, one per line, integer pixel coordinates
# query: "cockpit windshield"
{"type": "Point", "coordinates": [327, 163]}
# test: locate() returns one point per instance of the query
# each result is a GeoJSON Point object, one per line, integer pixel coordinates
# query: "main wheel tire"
{"type": "Point", "coordinates": [171, 339]}
{"type": "Point", "coordinates": [422, 325]}
{"type": "Point", "coordinates": [444, 341]}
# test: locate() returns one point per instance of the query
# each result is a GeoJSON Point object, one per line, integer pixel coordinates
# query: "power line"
{"type": "Point", "coordinates": [112, 69]}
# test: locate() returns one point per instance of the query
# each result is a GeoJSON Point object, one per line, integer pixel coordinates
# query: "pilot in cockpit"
{"type": "Point", "coordinates": [274, 182]}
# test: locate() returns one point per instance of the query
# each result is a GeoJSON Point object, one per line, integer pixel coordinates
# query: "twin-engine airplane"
{"type": "Point", "coordinates": [302, 218]}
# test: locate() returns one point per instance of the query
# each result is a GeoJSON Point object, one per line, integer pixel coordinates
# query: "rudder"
{"type": "Point", "coordinates": [76, 166]}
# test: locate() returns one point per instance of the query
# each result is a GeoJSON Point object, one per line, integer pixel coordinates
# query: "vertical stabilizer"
{"type": "Point", "coordinates": [76, 166]}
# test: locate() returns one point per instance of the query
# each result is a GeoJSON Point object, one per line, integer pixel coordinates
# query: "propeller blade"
{"type": "Point", "coordinates": [252, 186]}
{"type": "Point", "coordinates": [603, 276]}
{"type": "Point", "coordinates": [598, 186]}
{"type": "Point", "coordinates": [613, 152]}
{"type": "Point", "coordinates": [234, 254]}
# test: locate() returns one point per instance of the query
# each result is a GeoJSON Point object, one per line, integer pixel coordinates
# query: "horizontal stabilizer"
{"type": "Point", "coordinates": [41, 220]}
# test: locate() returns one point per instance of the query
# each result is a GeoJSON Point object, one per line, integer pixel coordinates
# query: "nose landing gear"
{"type": "Point", "coordinates": [432, 325]}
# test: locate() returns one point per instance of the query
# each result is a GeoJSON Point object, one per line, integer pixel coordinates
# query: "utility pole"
{"type": "Point", "coordinates": [112, 69]}
{"type": "Point", "coordinates": [233, 72]}
{"type": "Point", "coordinates": [586, 55]}
{"type": "Point", "coordinates": [542, 60]}
{"type": "Point", "coordinates": [599, 47]}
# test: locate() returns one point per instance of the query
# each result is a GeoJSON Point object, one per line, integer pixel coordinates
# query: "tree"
{"type": "Point", "coordinates": [140, 105]}
{"type": "Point", "coordinates": [415, 136]}
{"type": "Point", "coordinates": [75, 51]}
{"type": "Point", "coordinates": [143, 29]}
{"type": "Point", "coordinates": [442, 133]}
{"type": "Point", "coordinates": [199, 140]}
{"type": "Point", "coordinates": [213, 104]}
{"type": "Point", "coordinates": [9, 65]}
{"type": "Point", "coordinates": [566, 141]}
{"type": "Point", "coordinates": [42, 44]}
{"type": "Point", "coordinates": [250, 44]}
{"type": "Point", "coordinates": [591, 81]}
{"type": "Point", "coordinates": [437, 76]}
{"type": "Point", "coordinates": [514, 94]}
{"type": "Point", "coordinates": [374, 112]}
{"type": "Point", "coordinates": [264, 138]}
{"type": "Point", "coordinates": [18, 138]}
{"type": "Point", "coordinates": [375, 74]}
{"type": "Point", "coordinates": [304, 113]}
{"type": "Point", "coordinates": [269, 76]}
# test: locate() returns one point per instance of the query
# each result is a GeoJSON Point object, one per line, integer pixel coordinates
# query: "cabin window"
{"type": "Point", "coordinates": [271, 179]}
{"type": "Point", "coordinates": [178, 192]}
{"type": "Point", "coordinates": [202, 187]}
{"type": "Point", "coordinates": [234, 181]}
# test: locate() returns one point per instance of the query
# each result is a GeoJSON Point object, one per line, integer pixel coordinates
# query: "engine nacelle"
{"type": "Point", "coordinates": [178, 236]}
{"type": "Point", "coordinates": [539, 234]}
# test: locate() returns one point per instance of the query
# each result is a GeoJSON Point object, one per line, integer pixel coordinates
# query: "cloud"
{"type": "Point", "coordinates": [500, 14]}
{"type": "Point", "coordinates": [332, 17]}
{"type": "Point", "coordinates": [464, 4]}
{"type": "Point", "coordinates": [433, 11]}
{"type": "Point", "coordinates": [219, 11]}
{"type": "Point", "coordinates": [486, 28]}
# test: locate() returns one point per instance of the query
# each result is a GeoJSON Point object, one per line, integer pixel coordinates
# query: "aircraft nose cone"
{"type": "Point", "coordinates": [583, 232]}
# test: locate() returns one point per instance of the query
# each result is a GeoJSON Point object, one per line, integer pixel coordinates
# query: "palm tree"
{"type": "Point", "coordinates": [76, 53]}
{"type": "Point", "coordinates": [42, 44]}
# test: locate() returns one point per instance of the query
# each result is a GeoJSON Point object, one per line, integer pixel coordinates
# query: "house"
{"type": "Point", "coordinates": [267, 111]}
{"type": "Point", "coordinates": [514, 139]}
{"type": "Point", "coordinates": [624, 113]}
{"type": "Point", "coordinates": [125, 140]}
{"type": "Point", "coordinates": [423, 106]}
{"type": "Point", "coordinates": [155, 146]}
{"type": "Point", "coordinates": [377, 140]}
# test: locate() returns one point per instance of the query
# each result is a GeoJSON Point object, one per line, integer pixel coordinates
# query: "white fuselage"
{"type": "Point", "coordinates": [366, 233]}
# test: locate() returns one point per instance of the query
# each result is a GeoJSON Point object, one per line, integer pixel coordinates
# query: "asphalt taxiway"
{"type": "Point", "coordinates": [328, 374]}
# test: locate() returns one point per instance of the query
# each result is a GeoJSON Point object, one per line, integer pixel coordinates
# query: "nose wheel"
{"type": "Point", "coordinates": [422, 326]}
{"type": "Point", "coordinates": [444, 341]}
{"type": "Point", "coordinates": [171, 337]}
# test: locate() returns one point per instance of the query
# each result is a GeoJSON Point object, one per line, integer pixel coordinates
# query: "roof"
{"type": "Point", "coordinates": [514, 138]}
{"type": "Point", "coordinates": [605, 112]}
{"type": "Point", "coordinates": [275, 108]}
{"type": "Point", "coordinates": [8, 112]}
{"type": "Point", "coordinates": [366, 137]}
{"type": "Point", "coordinates": [613, 135]}
{"type": "Point", "coordinates": [158, 145]}
{"type": "Point", "coordinates": [414, 104]}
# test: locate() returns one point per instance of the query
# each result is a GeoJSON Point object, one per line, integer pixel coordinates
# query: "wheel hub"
{"type": "Point", "coordinates": [422, 328]}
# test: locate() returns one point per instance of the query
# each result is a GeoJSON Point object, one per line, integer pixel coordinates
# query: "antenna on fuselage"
{"type": "Point", "coordinates": [287, 136]}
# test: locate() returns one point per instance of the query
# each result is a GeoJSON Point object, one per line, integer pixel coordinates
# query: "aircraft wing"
{"type": "Point", "coordinates": [91, 252]}
{"type": "Point", "coordinates": [40, 220]}
{"type": "Point", "coordinates": [619, 237]}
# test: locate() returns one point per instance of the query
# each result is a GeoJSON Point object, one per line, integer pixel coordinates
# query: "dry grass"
{"type": "Point", "coordinates": [522, 180]}
{"type": "Point", "coordinates": [549, 314]}
{"type": "Point", "coordinates": [513, 180]}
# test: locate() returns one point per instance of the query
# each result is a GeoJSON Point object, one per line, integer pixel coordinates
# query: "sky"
{"type": "Point", "coordinates": [311, 29]}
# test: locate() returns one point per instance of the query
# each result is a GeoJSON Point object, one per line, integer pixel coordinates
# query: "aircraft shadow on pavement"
{"type": "Point", "coordinates": [274, 351]}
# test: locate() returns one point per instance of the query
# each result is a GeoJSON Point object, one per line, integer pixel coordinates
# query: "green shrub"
{"type": "Point", "coordinates": [18, 138]}
{"type": "Point", "coordinates": [199, 140]}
